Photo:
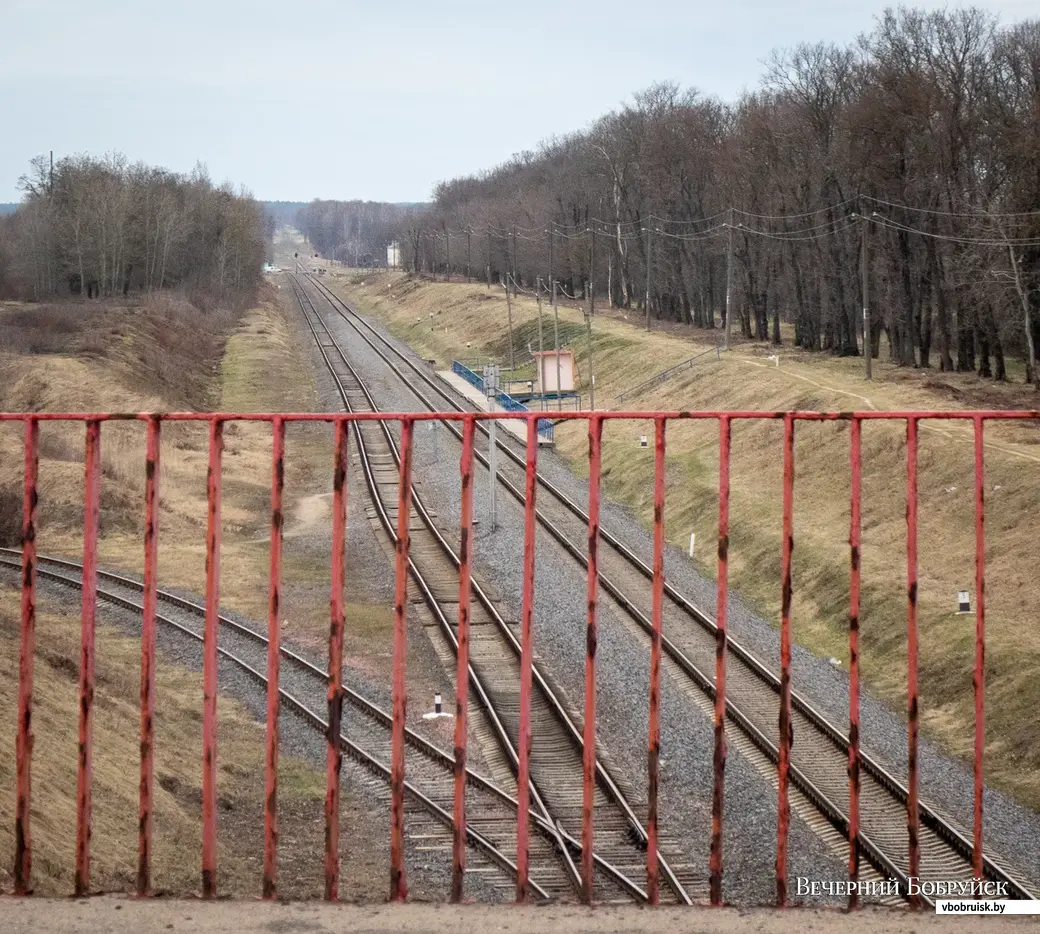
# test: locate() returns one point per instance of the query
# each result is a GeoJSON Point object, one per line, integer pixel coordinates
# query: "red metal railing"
{"type": "Point", "coordinates": [526, 661]}
{"type": "Point", "coordinates": [334, 755]}
{"type": "Point", "coordinates": [398, 889]}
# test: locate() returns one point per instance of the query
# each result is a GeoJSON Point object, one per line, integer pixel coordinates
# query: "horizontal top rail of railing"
{"type": "Point", "coordinates": [664, 375]}
{"type": "Point", "coordinates": [915, 415]}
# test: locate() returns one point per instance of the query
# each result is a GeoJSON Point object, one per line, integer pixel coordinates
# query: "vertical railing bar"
{"type": "Point", "coordinates": [26, 661]}
{"type": "Point", "coordinates": [209, 660]}
{"type": "Point", "coordinates": [855, 557]}
{"type": "Point", "coordinates": [653, 875]}
{"type": "Point", "coordinates": [526, 665]}
{"type": "Point", "coordinates": [398, 885]}
{"type": "Point", "coordinates": [589, 753]}
{"type": "Point", "coordinates": [912, 816]}
{"type": "Point", "coordinates": [718, 789]}
{"type": "Point", "coordinates": [148, 625]}
{"type": "Point", "coordinates": [980, 644]}
{"type": "Point", "coordinates": [458, 852]}
{"type": "Point", "coordinates": [334, 752]}
{"type": "Point", "coordinates": [274, 642]}
{"type": "Point", "coordinates": [91, 514]}
{"type": "Point", "coordinates": [783, 816]}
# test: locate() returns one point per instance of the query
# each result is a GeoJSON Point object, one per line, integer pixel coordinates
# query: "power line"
{"type": "Point", "coordinates": [833, 207]}
{"type": "Point", "coordinates": [634, 230]}
{"type": "Point", "coordinates": [976, 215]}
{"type": "Point", "coordinates": [975, 241]}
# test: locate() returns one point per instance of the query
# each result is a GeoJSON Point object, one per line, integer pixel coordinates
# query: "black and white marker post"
{"type": "Point", "coordinates": [438, 710]}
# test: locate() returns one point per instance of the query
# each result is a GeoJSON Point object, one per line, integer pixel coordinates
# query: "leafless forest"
{"type": "Point", "coordinates": [356, 232]}
{"type": "Point", "coordinates": [102, 227]}
{"type": "Point", "coordinates": [921, 139]}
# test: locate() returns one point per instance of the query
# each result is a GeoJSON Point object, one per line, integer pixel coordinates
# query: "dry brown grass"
{"type": "Point", "coordinates": [252, 367]}
{"type": "Point", "coordinates": [163, 356]}
{"type": "Point", "coordinates": [258, 367]}
{"type": "Point", "coordinates": [161, 348]}
{"type": "Point", "coordinates": [744, 379]}
{"type": "Point", "coordinates": [177, 845]}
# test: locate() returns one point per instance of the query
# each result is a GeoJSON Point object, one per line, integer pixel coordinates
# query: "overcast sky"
{"type": "Point", "coordinates": [376, 100]}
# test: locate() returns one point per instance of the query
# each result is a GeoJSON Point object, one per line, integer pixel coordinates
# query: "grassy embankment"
{"type": "Point", "coordinates": [468, 321]}
{"type": "Point", "coordinates": [162, 355]}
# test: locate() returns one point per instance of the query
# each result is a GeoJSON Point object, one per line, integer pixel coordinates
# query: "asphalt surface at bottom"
{"type": "Point", "coordinates": [98, 915]}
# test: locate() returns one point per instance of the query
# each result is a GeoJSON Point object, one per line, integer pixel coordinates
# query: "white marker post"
{"type": "Point", "coordinates": [963, 601]}
{"type": "Point", "coordinates": [693, 538]}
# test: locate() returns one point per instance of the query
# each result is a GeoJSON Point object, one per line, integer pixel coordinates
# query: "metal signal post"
{"type": "Point", "coordinates": [492, 376]}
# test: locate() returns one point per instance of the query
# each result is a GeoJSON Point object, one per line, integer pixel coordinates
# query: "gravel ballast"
{"type": "Point", "coordinates": [428, 869]}
{"type": "Point", "coordinates": [560, 613]}
{"type": "Point", "coordinates": [1012, 830]}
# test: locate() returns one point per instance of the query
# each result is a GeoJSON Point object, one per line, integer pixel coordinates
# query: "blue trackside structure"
{"type": "Point", "coordinates": [545, 425]}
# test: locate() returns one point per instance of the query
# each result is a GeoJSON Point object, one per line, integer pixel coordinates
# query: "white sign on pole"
{"type": "Point", "coordinates": [492, 379]}
{"type": "Point", "coordinates": [491, 383]}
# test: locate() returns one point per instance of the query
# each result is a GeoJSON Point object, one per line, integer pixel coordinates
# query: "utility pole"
{"type": "Point", "coordinates": [868, 344]}
{"type": "Point", "coordinates": [649, 227]}
{"type": "Point", "coordinates": [469, 253]}
{"type": "Point", "coordinates": [447, 256]}
{"type": "Point", "coordinates": [592, 311]}
{"type": "Point", "coordinates": [541, 361]}
{"type": "Point", "coordinates": [592, 373]}
{"type": "Point", "coordinates": [489, 258]}
{"type": "Point", "coordinates": [509, 311]}
{"type": "Point", "coordinates": [729, 276]}
{"type": "Point", "coordinates": [344, 237]}
{"type": "Point", "coordinates": [514, 255]}
{"type": "Point", "coordinates": [556, 326]}
{"type": "Point", "coordinates": [592, 270]}
{"type": "Point", "coordinates": [552, 237]}
{"type": "Point", "coordinates": [50, 233]}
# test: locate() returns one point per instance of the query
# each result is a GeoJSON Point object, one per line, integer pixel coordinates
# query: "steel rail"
{"type": "Point", "coordinates": [432, 603]}
{"type": "Point", "coordinates": [374, 711]}
{"type": "Point", "coordinates": [360, 755]}
{"type": "Point", "coordinates": [817, 797]}
{"type": "Point", "coordinates": [953, 837]}
{"type": "Point", "coordinates": [556, 706]}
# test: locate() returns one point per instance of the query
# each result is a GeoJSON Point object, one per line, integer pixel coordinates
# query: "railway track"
{"type": "Point", "coordinates": [819, 758]}
{"type": "Point", "coordinates": [366, 737]}
{"type": "Point", "coordinates": [556, 749]}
